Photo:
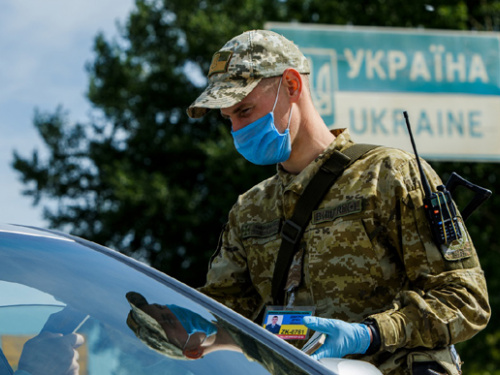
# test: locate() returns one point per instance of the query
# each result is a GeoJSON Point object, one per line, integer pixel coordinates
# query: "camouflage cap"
{"type": "Point", "coordinates": [148, 330]}
{"type": "Point", "coordinates": [240, 65]}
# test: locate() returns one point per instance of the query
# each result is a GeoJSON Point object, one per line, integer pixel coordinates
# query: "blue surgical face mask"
{"type": "Point", "coordinates": [261, 143]}
{"type": "Point", "coordinates": [192, 322]}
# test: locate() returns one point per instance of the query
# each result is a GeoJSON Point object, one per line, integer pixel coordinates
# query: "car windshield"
{"type": "Point", "coordinates": [53, 283]}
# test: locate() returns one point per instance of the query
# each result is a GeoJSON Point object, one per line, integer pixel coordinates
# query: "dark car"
{"type": "Point", "coordinates": [55, 285]}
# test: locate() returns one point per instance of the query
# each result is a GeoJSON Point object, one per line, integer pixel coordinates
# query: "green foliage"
{"type": "Point", "coordinates": [481, 355]}
{"type": "Point", "coordinates": [143, 178]}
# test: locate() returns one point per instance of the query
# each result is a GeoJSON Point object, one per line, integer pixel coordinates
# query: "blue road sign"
{"type": "Point", "coordinates": [449, 82]}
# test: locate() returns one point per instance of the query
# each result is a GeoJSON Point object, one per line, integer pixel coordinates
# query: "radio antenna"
{"type": "Point", "coordinates": [425, 182]}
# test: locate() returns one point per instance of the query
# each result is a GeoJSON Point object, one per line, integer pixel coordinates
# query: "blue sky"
{"type": "Point", "coordinates": [44, 46]}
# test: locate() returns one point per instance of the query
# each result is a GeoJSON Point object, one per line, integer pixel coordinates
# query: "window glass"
{"type": "Point", "coordinates": [56, 285]}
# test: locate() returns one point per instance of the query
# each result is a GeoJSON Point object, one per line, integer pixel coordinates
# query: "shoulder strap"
{"type": "Point", "coordinates": [313, 194]}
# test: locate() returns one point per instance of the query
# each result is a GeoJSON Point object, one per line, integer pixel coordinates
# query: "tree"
{"type": "Point", "coordinates": [140, 176]}
{"type": "Point", "coordinates": [145, 179]}
{"type": "Point", "coordinates": [481, 354]}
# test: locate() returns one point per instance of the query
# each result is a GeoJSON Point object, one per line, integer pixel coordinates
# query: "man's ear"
{"type": "Point", "coordinates": [194, 353]}
{"type": "Point", "coordinates": [293, 83]}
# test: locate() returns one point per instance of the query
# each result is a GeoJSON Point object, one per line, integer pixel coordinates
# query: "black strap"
{"type": "Point", "coordinates": [313, 194]}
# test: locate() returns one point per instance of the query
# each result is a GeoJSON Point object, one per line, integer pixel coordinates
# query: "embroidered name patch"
{"type": "Point", "coordinates": [460, 248]}
{"type": "Point", "coordinates": [220, 62]}
{"type": "Point", "coordinates": [260, 230]}
{"type": "Point", "coordinates": [330, 214]}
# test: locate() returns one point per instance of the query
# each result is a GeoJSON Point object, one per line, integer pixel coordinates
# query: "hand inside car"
{"type": "Point", "coordinates": [51, 353]}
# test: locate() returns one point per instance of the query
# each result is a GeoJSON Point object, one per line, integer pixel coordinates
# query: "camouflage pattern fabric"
{"type": "Point", "coordinates": [368, 253]}
{"type": "Point", "coordinates": [148, 330]}
{"type": "Point", "coordinates": [240, 65]}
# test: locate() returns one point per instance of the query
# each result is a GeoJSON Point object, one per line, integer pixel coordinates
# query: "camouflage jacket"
{"type": "Point", "coordinates": [366, 254]}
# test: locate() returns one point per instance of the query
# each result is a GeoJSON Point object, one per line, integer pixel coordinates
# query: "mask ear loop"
{"type": "Point", "coordinates": [276, 101]}
{"type": "Point", "coordinates": [189, 336]}
{"type": "Point", "coordinates": [277, 95]}
{"type": "Point", "coordinates": [196, 352]}
{"type": "Point", "coordinates": [289, 118]}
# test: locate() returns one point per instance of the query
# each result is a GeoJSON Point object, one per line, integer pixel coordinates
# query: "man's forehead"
{"type": "Point", "coordinates": [254, 96]}
{"type": "Point", "coordinates": [250, 98]}
{"type": "Point", "coordinates": [235, 108]}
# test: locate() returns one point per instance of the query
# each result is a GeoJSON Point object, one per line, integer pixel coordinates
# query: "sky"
{"type": "Point", "coordinates": [44, 46]}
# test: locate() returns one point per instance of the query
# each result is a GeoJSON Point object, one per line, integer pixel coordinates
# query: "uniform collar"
{"type": "Point", "coordinates": [298, 182]}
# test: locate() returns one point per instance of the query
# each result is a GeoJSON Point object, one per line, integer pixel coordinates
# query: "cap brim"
{"type": "Point", "coordinates": [221, 95]}
{"type": "Point", "coordinates": [141, 318]}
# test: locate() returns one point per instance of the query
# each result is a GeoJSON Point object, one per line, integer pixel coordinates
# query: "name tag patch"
{"type": "Point", "coordinates": [460, 248]}
{"type": "Point", "coordinates": [261, 230]}
{"type": "Point", "coordinates": [331, 213]}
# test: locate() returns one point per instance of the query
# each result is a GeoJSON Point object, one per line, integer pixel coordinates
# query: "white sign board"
{"type": "Point", "coordinates": [449, 83]}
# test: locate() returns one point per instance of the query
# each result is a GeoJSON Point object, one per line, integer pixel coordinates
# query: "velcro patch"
{"type": "Point", "coordinates": [331, 213]}
{"type": "Point", "coordinates": [220, 62]}
{"type": "Point", "coordinates": [260, 230]}
{"type": "Point", "coordinates": [460, 248]}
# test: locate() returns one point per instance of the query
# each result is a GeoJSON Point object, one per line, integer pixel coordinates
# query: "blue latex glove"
{"type": "Point", "coordinates": [342, 338]}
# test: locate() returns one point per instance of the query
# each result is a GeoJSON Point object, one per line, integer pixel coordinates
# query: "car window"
{"type": "Point", "coordinates": [54, 284]}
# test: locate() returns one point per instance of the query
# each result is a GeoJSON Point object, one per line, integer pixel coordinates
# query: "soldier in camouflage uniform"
{"type": "Point", "coordinates": [367, 255]}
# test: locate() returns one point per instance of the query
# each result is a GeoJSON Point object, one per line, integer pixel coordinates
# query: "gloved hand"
{"type": "Point", "coordinates": [342, 338]}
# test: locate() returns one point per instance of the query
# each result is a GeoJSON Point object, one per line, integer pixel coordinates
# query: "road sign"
{"type": "Point", "coordinates": [363, 78]}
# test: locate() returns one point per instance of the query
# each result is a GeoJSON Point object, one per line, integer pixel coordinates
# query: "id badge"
{"type": "Point", "coordinates": [287, 323]}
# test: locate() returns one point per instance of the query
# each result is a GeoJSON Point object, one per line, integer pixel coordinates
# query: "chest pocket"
{"type": "Point", "coordinates": [261, 242]}
{"type": "Point", "coordinates": [341, 248]}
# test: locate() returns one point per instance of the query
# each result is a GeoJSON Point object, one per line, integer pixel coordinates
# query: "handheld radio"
{"type": "Point", "coordinates": [439, 207]}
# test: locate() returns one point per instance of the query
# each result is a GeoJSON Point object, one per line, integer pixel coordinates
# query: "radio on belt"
{"type": "Point", "coordinates": [439, 206]}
